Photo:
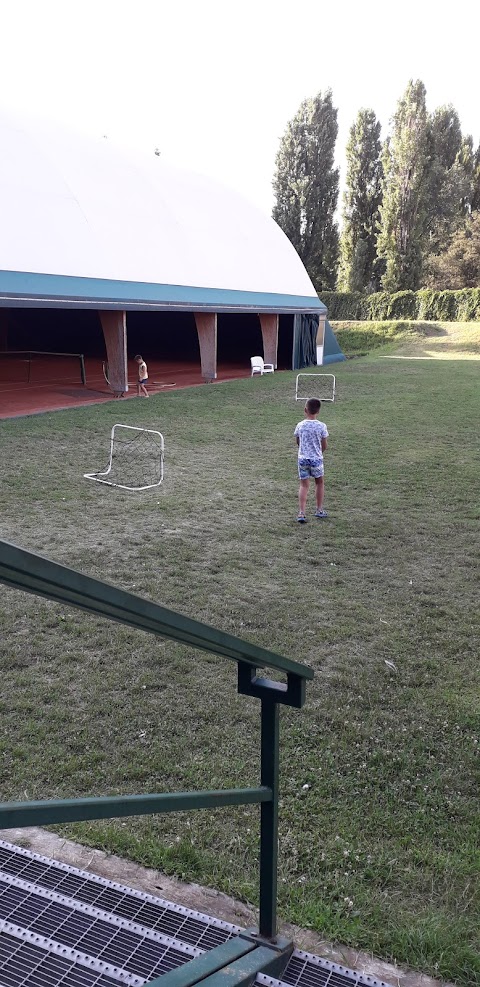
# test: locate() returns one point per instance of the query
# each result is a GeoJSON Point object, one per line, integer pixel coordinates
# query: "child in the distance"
{"type": "Point", "coordinates": [142, 376]}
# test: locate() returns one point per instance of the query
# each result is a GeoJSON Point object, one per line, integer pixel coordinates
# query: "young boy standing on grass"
{"type": "Point", "coordinates": [142, 376]}
{"type": "Point", "coordinates": [311, 438]}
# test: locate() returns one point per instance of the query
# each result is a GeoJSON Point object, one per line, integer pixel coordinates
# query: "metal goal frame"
{"type": "Point", "coordinates": [101, 476]}
{"type": "Point", "coordinates": [330, 377]}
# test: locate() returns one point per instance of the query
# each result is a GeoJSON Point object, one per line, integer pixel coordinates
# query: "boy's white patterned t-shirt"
{"type": "Point", "coordinates": [310, 433]}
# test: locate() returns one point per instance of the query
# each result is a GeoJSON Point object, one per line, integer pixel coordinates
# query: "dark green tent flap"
{"type": "Point", "coordinates": [331, 350]}
{"type": "Point", "coordinates": [305, 329]}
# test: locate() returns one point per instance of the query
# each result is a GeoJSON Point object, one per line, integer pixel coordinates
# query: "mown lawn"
{"type": "Point", "coordinates": [442, 340]}
{"type": "Point", "coordinates": [379, 772]}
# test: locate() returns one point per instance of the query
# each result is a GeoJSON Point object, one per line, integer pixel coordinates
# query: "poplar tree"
{"type": "Point", "coordinates": [361, 203]}
{"type": "Point", "coordinates": [475, 196]}
{"type": "Point", "coordinates": [449, 179]}
{"type": "Point", "coordinates": [454, 258]}
{"type": "Point", "coordinates": [459, 266]}
{"type": "Point", "coordinates": [306, 187]}
{"type": "Point", "coordinates": [401, 243]}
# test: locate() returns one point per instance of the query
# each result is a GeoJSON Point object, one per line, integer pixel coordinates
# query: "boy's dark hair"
{"type": "Point", "coordinates": [138, 357]}
{"type": "Point", "coordinates": [313, 406]}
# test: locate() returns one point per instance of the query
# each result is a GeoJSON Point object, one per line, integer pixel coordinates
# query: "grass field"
{"type": "Point", "coordinates": [439, 340]}
{"type": "Point", "coordinates": [381, 850]}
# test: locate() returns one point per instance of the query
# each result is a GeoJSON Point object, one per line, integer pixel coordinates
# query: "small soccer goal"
{"type": "Point", "coordinates": [322, 386]}
{"type": "Point", "coordinates": [136, 459]}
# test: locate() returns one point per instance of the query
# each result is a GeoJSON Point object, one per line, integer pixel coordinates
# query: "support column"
{"type": "Point", "coordinates": [4, 321]}
{"type": "Point", "coordinates": [206, 323]}
{"type": "Point", "coordinates": [114, 325]}
{"type": "Point", "coordinates": [320, 339]}
{"type": "Point", "coordinates": [269, 324]}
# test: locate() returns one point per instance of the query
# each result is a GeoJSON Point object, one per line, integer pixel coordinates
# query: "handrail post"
{"type": "Point", "coordinates": [270, 735]}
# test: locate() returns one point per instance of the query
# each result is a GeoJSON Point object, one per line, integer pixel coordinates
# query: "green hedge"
{"type": "Point", "coordinates": [437, 306]}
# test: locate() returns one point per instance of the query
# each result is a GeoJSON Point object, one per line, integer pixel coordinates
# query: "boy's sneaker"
{"type": "Point", "coordinates": [319, 513]}
{"type": "Point", "coordinates": [301, 519]}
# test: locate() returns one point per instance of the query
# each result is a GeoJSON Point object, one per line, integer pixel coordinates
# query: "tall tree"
{"type": "Point", "coordinates": [475, 199]}
{"type": "Point", "coordinates": [459, 266]}
{"type": "Point", "coordinates": [449, 179]}
{"type": "Point", "coordinates": [400, 242]}
{"type": "Point", "coordinates": [361, 204]}
{"type": "Point", "coordinates": [306, 187]}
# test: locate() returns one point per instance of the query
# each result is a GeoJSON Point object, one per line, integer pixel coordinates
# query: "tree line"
{"type": "Point", "coordinates": [411, 206]}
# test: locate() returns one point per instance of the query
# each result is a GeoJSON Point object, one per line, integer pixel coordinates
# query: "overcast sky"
{"type": "Point", "coordinates": [213, 83]}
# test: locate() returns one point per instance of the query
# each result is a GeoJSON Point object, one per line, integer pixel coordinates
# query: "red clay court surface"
{"type": "Point", "coordinates": [56, 383]}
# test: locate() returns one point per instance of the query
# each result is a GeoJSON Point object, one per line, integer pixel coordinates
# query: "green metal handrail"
{"type": "Point", "coordinates": [35, 574]}
{"type": "Point", "coordinates": [46, 812]}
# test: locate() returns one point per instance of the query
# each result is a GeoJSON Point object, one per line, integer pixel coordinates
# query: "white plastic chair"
{"type": "Point", "coordinates": [259, 367]}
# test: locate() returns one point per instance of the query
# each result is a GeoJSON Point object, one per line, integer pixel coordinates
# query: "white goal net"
{"type": "Point", "coordinates": [136, 459]}
{"type": "Point", "coordinates": [321, 386]}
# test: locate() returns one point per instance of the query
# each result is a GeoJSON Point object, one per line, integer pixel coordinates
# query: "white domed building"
{"type": "Point", "coordinates": [88, 227]}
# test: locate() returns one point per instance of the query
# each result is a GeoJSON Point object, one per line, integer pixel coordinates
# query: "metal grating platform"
{"type": "Point", "coordinates": [63, 927]}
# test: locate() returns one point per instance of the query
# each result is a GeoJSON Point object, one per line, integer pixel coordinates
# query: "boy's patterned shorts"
{"type": "Point", "coordinates": [310, 467]}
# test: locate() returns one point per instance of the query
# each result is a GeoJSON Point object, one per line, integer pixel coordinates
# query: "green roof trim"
{"type": "Point", "coordinates": [24, 289]}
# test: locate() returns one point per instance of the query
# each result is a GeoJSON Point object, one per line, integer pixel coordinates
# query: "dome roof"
{"type": "Point", "coordinates": [85, 223]}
